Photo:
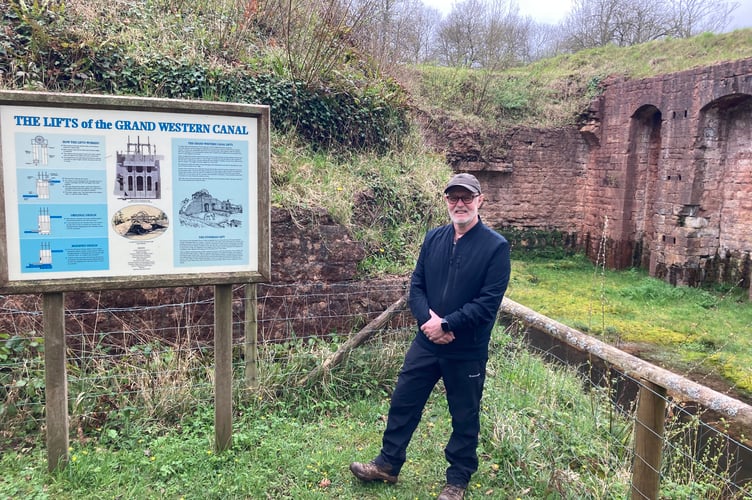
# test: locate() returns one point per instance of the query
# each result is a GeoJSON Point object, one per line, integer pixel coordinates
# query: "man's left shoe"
{"type": "Point", "coordinates": [452, 492]}
{"type": "Point", "coordinates": [372, 472]}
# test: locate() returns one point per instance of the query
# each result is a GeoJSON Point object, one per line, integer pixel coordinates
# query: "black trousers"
{"type": "Point", "coordinates": [464, 382]}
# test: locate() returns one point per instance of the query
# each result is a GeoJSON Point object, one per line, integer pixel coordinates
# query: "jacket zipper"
{"type": "Point", "coordinates": [450, 276]}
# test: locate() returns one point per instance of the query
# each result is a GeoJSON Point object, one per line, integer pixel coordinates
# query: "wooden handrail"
{"type": "Point", "coordinates": [679, 387]}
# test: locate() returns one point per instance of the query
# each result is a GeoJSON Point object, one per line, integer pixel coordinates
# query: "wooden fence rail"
{"type": "Point", "coordinates": [655, 384]}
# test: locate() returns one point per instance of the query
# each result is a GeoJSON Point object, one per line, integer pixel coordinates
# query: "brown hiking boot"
{"type": "Point", "coordinates": [372, 472]}
{"type": "Point", "coordinates": [451, 492]}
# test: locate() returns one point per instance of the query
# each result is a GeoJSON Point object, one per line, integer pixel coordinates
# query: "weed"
{"type": "Point", "coordinates": [21, 385]}
{"type": "Point", "coordinates": [388, 201]}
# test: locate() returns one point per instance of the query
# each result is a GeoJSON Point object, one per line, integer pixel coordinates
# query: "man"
{"type": "Point", "coordinates": [455, 293]}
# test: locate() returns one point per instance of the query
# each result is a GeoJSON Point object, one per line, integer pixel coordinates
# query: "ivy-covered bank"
{"type": "Point", "coordinates": [41, 49]}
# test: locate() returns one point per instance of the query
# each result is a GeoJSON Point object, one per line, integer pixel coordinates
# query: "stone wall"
{"type": "Point", "coordinates": [660, 176]}
{"type": "Point", "coordinates": [528, 176]}
{"type": "Point", "coordinates": [314, 288]}
{"type": "Point", "coordinates": [307, 245]}
{"type": "Point", "coordinates": [674, 157]}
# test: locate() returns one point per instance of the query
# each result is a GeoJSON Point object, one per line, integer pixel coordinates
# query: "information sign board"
{"type": "Point", "coordinates": [107, 192]}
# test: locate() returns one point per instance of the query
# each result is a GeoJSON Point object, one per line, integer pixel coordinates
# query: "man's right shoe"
{"type": "Point", "coordinates": [452, 492]}
{"type": "Point", "coordinates": [372, 472]}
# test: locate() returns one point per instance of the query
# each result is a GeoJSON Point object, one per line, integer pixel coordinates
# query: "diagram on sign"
{"type": "Point", "coordinates": [39, 151]}
{"type": "Point", "coordinates": [137, 171]}
{"type": "Point", "coordinates": [44, 221]}
{"type": "Point", "coordinates": [45, 258]}
{"type": "Point", "coordinates": [204, 210]}
{"type": "Point", "coordinates": [140, 222]}
{"type": "Point", "coordinates": [44, 224]}
{"type": "Point", "coordinates": [42, 186]}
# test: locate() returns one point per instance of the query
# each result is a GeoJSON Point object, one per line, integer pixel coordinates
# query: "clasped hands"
{"type": "Point", "coordinates": [432, 330]}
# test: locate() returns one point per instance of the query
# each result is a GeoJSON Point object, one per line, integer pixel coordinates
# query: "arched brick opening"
{"type": "Point", "coordinates": [640, 185]}
{"type": "Point", "coordinates": [717, 216]}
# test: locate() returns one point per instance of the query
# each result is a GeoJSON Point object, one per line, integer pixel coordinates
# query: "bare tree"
{"type": "Point", "coordinates": [505, 35]}
{"type": "Point", "coordinates": [460, 34]}
{"type": "Point", "coordinates": [544, 40]}
{"type": "Point", "coordinates": [381, 30]}
{"type": "Point", "coordinates": [639, 21]}
{"type": "Point", "coordinates": [412, 36]}
{"type": "Point", "coordinates": [397, 31]}
{"type": "Point", "coordinates": [692, 17]}
{"type": "Point", "coordinates": [590, 23]}
{"type": "Point", "coordinates": [484, 34]}
{"type": "Point", "coordinates": [315, 35]}
{"type": "Point", "coordinates": [594, 23]}
{"type": "Point", "coordinates": [418, 41]}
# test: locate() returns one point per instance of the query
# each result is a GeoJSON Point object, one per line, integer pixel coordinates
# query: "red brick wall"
{"type": "Point", "coordinates": [678, 149]}
{"type": "Point", "coordinates": [661, 175]}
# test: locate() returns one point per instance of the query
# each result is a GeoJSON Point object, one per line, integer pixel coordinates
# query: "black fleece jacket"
{"type": "Point", "coordinates": [463, 282]}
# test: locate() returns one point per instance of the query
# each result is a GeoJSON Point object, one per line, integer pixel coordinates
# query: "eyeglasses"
{"type": "Point", "coordinates": [466, 199]}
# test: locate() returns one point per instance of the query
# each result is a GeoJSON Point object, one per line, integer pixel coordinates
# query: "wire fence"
{"type": "Point", "coordinates": [695, 442]}
{"type": "Point", "coordinates": [152, 350]}
{"type": "Point", "coordinates": [132, 352]}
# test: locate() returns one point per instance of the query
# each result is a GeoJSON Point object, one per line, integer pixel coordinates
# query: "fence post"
{"type": "Point", "coordinates": [251, 336]}
{"type": "Point", "coordinates": [55, 379]}
{"type": "Point", "coordinates": [222, 367]}
{"type": "Point", "coordinates": [649, 427]}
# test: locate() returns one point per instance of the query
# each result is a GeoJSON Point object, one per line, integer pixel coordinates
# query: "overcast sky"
{"type": "Point", "coordinates": [742, 15]}
{"type": "Point", "coordinates": [553, 11]}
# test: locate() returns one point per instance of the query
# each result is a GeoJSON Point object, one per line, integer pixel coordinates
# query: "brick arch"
{"type": "Point", "coordinates": [721, 197]}
{"type": "Point", "coordinates": [641, 184]}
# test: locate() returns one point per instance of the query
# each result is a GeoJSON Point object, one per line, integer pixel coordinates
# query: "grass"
{"type": "Point", "coordinates": [542, 437]}
{"type": "Point", "coordinates": [699, 332]}
{"type": "Point", "coordinates": [648, 59]}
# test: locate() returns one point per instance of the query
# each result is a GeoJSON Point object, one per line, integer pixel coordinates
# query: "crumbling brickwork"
{"type": "Point", "coordinates": [660, 176]}
{"type": "Point", "coordinates": [672, 164]}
